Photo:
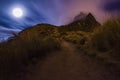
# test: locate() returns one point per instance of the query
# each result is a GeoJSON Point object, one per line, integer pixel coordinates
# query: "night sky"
{"type": "Point", "coordinates": [57, 12]}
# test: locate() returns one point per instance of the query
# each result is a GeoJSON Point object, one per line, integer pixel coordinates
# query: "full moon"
{"type": "Point", "coordinates": [17, 12]}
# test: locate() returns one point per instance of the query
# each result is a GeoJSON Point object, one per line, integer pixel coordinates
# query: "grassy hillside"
{"type": "Point", "coordinates": [102, 43]}
{"type": "Point", "coordinates": [105, 42]}
{"type": "Point", "coordinates": [99, 41]}
{"type": "Point", "coordinates": [28, 46]}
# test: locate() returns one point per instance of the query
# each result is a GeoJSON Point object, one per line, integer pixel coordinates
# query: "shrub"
{"type": "Point", "coordinates": [105, 41]}
{"type": "Point", "coordinates": [107, 37]}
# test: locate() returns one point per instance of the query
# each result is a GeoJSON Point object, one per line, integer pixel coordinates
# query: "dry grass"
{"type": "Point", "coordinates": [105, 42]}
{"type": "Point", "coordinates": [25, 49]}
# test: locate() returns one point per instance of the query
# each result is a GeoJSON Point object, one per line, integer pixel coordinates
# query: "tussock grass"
{"type": "Point", "coordinates": [77, 37]}
{"type": "Point", "coordinates": [105, 42]}
{"type": "Point", "coordinates": [26, 48]}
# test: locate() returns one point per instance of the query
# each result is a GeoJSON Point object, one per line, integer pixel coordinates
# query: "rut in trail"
{"type": "Point", "coordinates": [68, 64]}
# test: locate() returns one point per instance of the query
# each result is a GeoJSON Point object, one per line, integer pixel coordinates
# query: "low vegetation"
{"type": "Point", "coordinates": [78, 37]}
{"type": "Point", "coordinates": [99, 41]}
{"type": "Point", "coordinates": [105, 42]}
{"type": "Point", "coordinates": [26, 48]}
{"type": "Point", "coordinates": [102, 43]}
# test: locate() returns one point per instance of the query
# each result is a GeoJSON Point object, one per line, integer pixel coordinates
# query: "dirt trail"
{"type": "Point", "coordinates": [68, 64]}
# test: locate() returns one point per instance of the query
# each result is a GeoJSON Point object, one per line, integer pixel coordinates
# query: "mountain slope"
{"type": "Point", "coordinates": [63, 52]}
{"type": "Point", "coordinates": [25, 49]}
{"type": "Point", "coordinates": [85, 23]}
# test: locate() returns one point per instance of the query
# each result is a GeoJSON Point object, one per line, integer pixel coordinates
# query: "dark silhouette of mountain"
{"type": "Point", "coordinates": [82, 22]}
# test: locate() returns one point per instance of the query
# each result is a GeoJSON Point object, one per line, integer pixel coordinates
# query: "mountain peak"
{"type": "Point", "coordinates": [84, 22]}
{"type": "Point", "coordinates": [90, 17]}
{"type": "Point", "coordinates": [84, 16]}
{"type": "Point", "coordinates": [90, 14]}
